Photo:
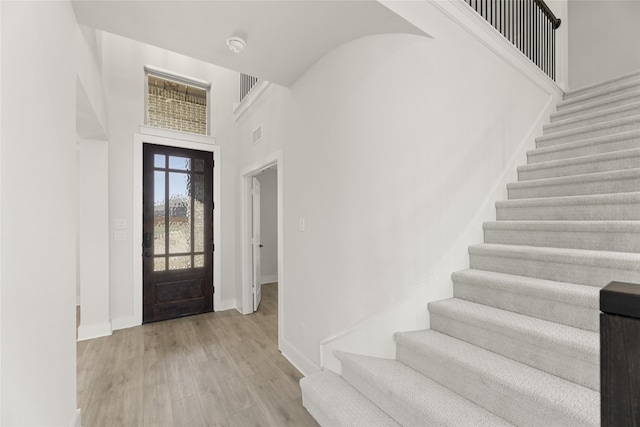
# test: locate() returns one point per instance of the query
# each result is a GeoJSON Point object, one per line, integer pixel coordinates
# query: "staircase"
{"type": "Point", "coordinates": [519, 342]}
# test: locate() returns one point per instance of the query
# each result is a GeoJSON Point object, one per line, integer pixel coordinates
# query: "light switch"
{"type": "Point", "coordinates": [120, 235]}
{"type": "Point", "coordinates": [119, 224]}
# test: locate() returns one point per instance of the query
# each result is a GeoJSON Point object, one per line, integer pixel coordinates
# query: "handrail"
{"type": "Point", "coordinates": [528, 24]}
{"type": "Point", "coordinates": [549, 14]}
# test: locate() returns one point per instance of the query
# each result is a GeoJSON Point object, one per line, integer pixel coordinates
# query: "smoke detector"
{"type": "Point", "coordinates": [236, 44]}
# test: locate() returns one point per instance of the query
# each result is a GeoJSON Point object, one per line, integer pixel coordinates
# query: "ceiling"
{"type": "Point", "coordinates": [284, 38]}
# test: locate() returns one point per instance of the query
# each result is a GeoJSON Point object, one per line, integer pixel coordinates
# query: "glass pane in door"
{"type": "Point", "coordinates": [179, 213]}
{"type": "Point", "coordinates": [158, 212]}
{"type": "Point", "coordinates": [198, 213]}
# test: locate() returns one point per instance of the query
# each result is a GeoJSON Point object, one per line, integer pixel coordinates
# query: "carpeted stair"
{"type": "Point", "coordinates": [519, 342]}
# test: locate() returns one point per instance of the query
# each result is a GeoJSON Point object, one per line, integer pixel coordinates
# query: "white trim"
{"type": "Point", "coordinates": [126, 322]}
{"type": "Point", "coordinates": [253, 95]}
{"type": "Point", "coordinates": [246, 174]}
{"type": "Point", "coordinates": [76, 420]}
{"type": "Point", "coordinates": [269, 279]}
{"type": "Point", "coordinates": [173, 139]}
{"type": "Point", "coordinates": [226, 304]}
{"type": "Point", "coordinates": [94, 330]}
{"type": "Point", "coordinates": [176, 134]}
{"type": "Point", "coordinates": [298, 360]}
{"type": "Point", "coordinates": [463, 15]}
{"type": "Point", "coordinates": [176, 77]}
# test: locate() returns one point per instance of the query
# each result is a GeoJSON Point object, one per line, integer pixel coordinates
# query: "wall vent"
{"type": "Point", "coordinates": [257, 135]}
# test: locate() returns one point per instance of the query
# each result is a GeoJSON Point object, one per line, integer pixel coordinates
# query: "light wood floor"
{"type": "Point", "coordinates": [216, 369]}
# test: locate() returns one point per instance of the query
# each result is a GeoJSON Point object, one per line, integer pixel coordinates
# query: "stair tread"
{"type": "Point", "coordinates": [571, 293]}
{"type": "Point", "coordinates": [519, 379]}
{"type": "Point", "coordinates": [572, 161]}
{"type": "Point", "coordinates": [579, 343]}
{"type": "Point", "coordinates": [566, 226]}
{"type": "Point", "coordinates": [597, 90]}
{"type": "Point", "coordinates": [609, 124]}
{"type": "Point", "coordinates": [341, 404]}
{"type": "Point", "coordinates": [626, 260]}
{"type": "Point", "coordinates": [590, 115]}
{"type": "Point", "coordinates": [590, 199]}
{"type": "Point", "coordinates": [583, 178]}
{"type": "Point", "coordinates": [596, 105]}
{"type": "Point", "coordinates": [424, 401]}
{"type": "Point", "coordinates": [598, 140]}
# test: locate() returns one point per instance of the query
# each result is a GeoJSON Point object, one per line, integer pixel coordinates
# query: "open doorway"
{"type": "Point", "coordinates": [262, 266]}
{"type": "Point", "coordinates": [265, 232]}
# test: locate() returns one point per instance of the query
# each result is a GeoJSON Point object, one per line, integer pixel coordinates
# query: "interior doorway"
{"type": "Point", "coordinates": [262, 234]}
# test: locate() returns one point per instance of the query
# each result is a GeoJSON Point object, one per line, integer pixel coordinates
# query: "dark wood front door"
{"type": "Point", "coordinates": [177, 240]}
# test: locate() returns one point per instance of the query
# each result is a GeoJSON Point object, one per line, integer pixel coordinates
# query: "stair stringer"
{"type": "Point", "coordinates": [374, 335]}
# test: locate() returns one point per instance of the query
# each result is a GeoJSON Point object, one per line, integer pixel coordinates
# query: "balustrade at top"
{"type": "Point", "coordinates": [247, 83]}
{"type": "Point", "coordinates": [528, 24]}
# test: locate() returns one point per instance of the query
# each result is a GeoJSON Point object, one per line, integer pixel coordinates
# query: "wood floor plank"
{"type": "Point", "coordinates": [157, 408]}
{"type": "Point", "coordinates": [187, 412]}
{"type": "Point", "coordinates": [216, 369]}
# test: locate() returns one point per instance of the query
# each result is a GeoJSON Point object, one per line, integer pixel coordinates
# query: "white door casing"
{"type": "Point", "coordinates": [255, 239]}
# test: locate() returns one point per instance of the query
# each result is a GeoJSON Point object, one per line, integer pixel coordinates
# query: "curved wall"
{"type": "Point", "coordinates": [391, 145]}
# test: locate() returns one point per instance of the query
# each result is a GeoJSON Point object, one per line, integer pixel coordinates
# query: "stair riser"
{"type": "Point", "coordinates": [589, 240]}
{"type": "Point", "coordinates": [536, 156]}
{"type": "Point", "coordinates": [605, 116]}
{"type": "Point", "coordinates": [320, 400]}
{"type": "Point", "coordinates": [606, 91]}
{"type": "Point", "coordinates": [403, 393]}
{"type": "Point", "coordinates": [551, 140]}
{"type": "Point", "coordinates": [614, 185]}
{"type": "Point", "coordinates": [388, 403]}
{"type": "Point", "coordinates": [614, 102]}
{"type": "Point", "coordinates": [479, 387]}
{"type": "Point", "coordinates": [599, 212]}
{"type": "Point", "coordinates": [578, 169]}
{"type": "Point", "coordinates": [538, 353]}
{"type": "Point", "coordinates": [581, 274]}
{"type": "Point", "coordinates": [530, 305]}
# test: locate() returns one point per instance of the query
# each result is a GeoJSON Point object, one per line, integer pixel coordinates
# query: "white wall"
{"type": "Point", "coordinates": [124, 64]}
{"type": "Point", "coordinates": [93, 241]}
{"type": "Point", "coordinates": [269, 225]}
{"type": "Point", "coordinates": [391, 146]}
{"type": "Point", "coordinates": [37, 261]}
{"type": "Point", "coordinates": [604, 40]}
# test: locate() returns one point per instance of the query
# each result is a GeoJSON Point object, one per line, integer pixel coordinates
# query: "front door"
{"type": "Point", "coordinates": [177, 240]}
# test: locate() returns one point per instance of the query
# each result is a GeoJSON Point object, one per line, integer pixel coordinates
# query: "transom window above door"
{"type": "Point", "coordinates": [177, 103]}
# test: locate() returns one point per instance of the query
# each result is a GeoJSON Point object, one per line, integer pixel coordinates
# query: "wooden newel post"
{"type": "Point", "coordinates": [620, 354]}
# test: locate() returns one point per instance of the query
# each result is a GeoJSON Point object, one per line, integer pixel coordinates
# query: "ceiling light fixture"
{"type": "Point", "coordinates": [236, 44]}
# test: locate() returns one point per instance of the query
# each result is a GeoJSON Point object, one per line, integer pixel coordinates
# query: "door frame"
{"type": "Point", "coordinates": [274, 159]}
{"type": "Point", "coordinates": [256, 259]}
{"type": "Point", "coordinates": [169, 138]}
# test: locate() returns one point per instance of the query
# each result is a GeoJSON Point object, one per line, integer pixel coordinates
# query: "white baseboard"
{"type": "Point", "coordinates": [300, 362]}
{"type": "Point", "coordinates": [77, 419]}
{"type": "Point", "coordinates": [226, 304]}
{"type": "Point", "coordinates": [94, 330]}
{"type": "Point", "coordinates": [268, 279]}
{"type": "Point", "coordinates": [124, 323]}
